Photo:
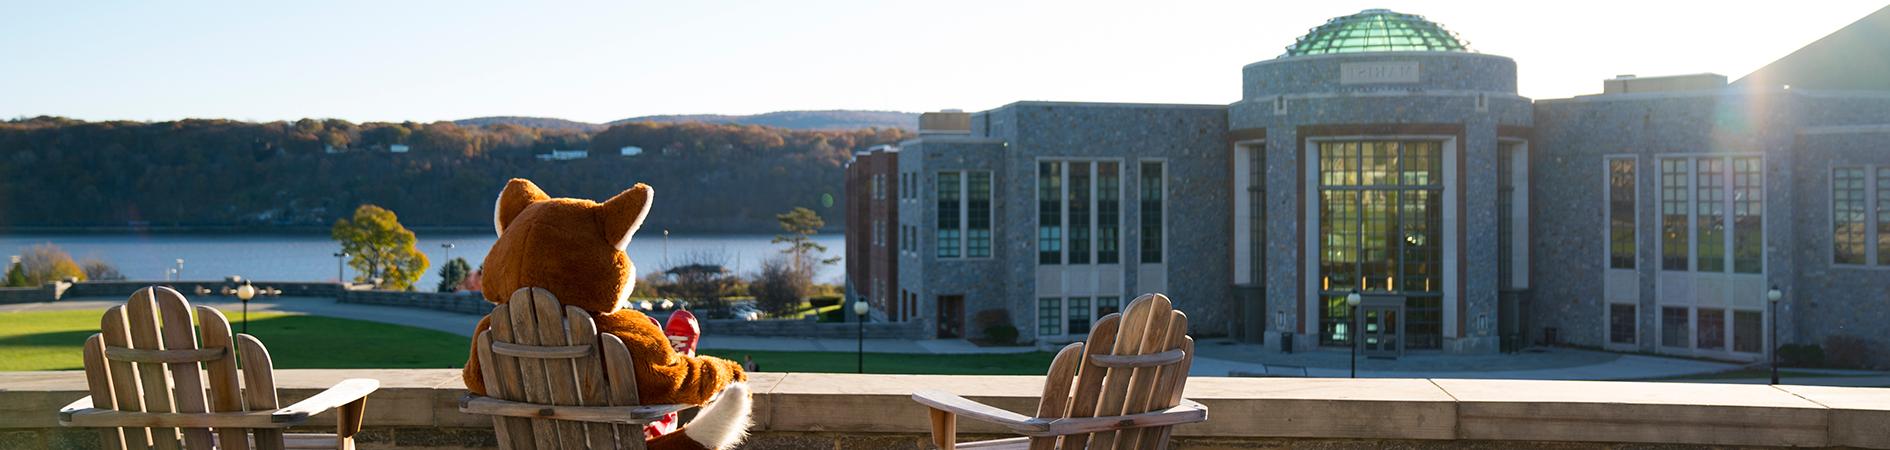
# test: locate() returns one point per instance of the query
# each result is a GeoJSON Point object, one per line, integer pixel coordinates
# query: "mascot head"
{"type": "Point", "coordinates": [571, 247]}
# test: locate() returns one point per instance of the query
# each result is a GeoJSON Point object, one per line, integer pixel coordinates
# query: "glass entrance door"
{"type": "Point", "coordinates": [1382, 327]}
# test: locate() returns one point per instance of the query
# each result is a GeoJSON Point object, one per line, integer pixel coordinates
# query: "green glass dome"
{"type": "Point", "coordinates": [1377, 30]}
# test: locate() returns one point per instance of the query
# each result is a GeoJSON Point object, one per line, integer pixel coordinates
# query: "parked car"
{"type": "Point", "coordinates": [745, 312]}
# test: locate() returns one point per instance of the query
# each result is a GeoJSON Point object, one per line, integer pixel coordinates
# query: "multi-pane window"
{"type": "Point", "coordinates": [1748, 196]}
{"type": "Point", "coordinates": [1078, 316]}
{"type": "Point", "coordinates": [1257, 214]}
{"type": "Point", "coordinates": [1747, 329]}
{"type": "Point", "coordinates": [1152, 197]}
{"type": "Point", "coordinates": [1079, 213]}
{"type": "Point", "coordinates": [1674, 328]}
{"type": "Point", "coordinates": [879, 233]}
{"type": "Point", "coordinates": [1621, 323]}
{"type": "Point", "coordinates": [1380, 225]}
{"type": "Point", "coordinates": [1883, 215]}
{"type": "Point", "coordinates": [1849, 215]}
{"type": "Point", "coordinates": [1712, 323]}
{"type": "Point", "coordinates": [1050, 212]}
{"type": "Point", "coordinates": [1107, 305]}
{"type": "Point", "coordinates": [950, 228]}
{"type": "Point", "coordinates": [1621, 219]}
{"type": "Point", "coordinates": [879, 186]}
{"type": "Point", "coordinates": [1108, 212]}
{"type": "Point", "coordinates": [1673, 214]}
{"type": "Point", "coordinates": [978, 215]}
{"type": "Point", "coordinates": [1049, 316]}
{"type": "Point", "coordinates": [1709, 233]}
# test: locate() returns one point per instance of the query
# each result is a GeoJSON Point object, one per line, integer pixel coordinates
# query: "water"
{"type": "Point", "coordinates": [310, 257]}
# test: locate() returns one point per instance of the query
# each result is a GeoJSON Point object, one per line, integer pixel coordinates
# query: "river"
{"type": "Point", "coordinates": [310, 256]}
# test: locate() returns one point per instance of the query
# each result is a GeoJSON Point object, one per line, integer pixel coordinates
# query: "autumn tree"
{"type": "Point", "coordinates": [45, 263]}
{"type": "Point", "coordinates": [703, 279]}
{"type": "Point", "coordinates": [99, 270]}
{"type": "Point", "coordinates": [778, 289]}
{"type": "Point", "coordinates": [800, 225]}
{"type": "Point", "coordinates": [453, 273]}
{"type": "Point", "coordinates": [381, 251]}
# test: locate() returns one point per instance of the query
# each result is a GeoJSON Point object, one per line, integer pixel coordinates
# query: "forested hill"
{"type": "Point", "coordinates": [800, 120]}
{"type": "Point", "coordinates": [57, 172]}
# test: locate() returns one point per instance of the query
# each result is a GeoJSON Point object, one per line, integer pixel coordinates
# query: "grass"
{"type": "Point", "coordinates": [52, 340]}
{"type": "Point", "coordinates": [1034, 363]}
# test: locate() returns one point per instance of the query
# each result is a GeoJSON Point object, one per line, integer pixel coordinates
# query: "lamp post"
{"type": "Point", "coordinates": [1772, 297]}
{"type": "Point", "coordinates": [180, 269]}
{"type": "Point", "coordinates": [244, 293]}
{"type": "Point", "coordinates": [860, 309]}
{"type": "Point", "coordinates": [1351, 303]}
{"type": "Point", "coordinates": [339, 258]}
{"type": "Point", "coordinates": [449, 251]}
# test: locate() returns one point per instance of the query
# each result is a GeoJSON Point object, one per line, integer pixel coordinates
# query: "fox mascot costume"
{"type": "Point", "coordinates": [575, 249]}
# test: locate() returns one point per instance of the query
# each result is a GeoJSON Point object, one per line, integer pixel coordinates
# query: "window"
{"type": "Point", "coordinates": [978, 210]}
{"type": "Point", "coordinates": [1152, 212]}
{"type": "Point", "coordinates": [1380, 227]}
{"type": "Point", "coordinates": [1078, 316]}
{"type": "Point", "coordinates": [949, 227]}
{"type": "Point", "coordinates": [1050, 212]}
{"type": "Point", "coordinates": [1712, 323]}
{"type": "Point", "coordinates": [1748, 213]}
{"type": "Point", "coordinates": [1747, 329]}
{"type": "Point", "coordinates": [1107, 305]}
{"type": "Point", "coordinates": [879, 233]}
{"type": "Point", "coordinates": [1673, 327]}
{"type": "Point", "coordinates": [1883, 215]}
{"type": "Point", "coordinates": [1049, 316]}
{"type": "Point", "coordinates": [879, 186]}
{"type": "Point", "coordinates": [1505, 218]}
{"type": "Point", "coordinates": [1257, 214]}
{"type": "Point", "coordinates": [1621, 323]}
{"type": "Point", "coordinates": [1108, 212]}
{"type": "Point", "coordinates": [1849, 218]}
{"type": "Point", "coordinates": [1673, 214]}
{"type": "Point", "coordinates": [1710, 214]}
{"type": "Point", "coordinates": [1621, 219]}
{"type": "Point", "coordinates": [1079, 213]}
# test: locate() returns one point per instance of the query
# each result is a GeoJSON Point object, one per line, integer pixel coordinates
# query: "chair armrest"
{"type": "Point", "coordinates": [1187, 412]}
{"type": "Point", "coordinates": [83, 403]}
{"type": "Point", "coordinates": [628, 415]}
{"type": "Point", "coordinates": [981, 412]}
{"type": "Point", "coordinates": [81, 413]}
{"type": "Point", "coordinates": [345, 392]}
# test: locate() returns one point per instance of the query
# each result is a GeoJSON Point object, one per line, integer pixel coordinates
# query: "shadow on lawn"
{"type": "Point", "coordinates": [293, 341]}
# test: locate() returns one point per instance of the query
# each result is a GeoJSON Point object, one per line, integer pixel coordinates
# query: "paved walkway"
{"type": "Point", "coordinates": [1217, 357]}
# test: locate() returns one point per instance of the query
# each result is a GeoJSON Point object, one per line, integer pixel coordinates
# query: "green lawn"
{"type": "Point", "coordinates": [1034, 363]}
{"type": "Point", "coordinates": [52, 340]}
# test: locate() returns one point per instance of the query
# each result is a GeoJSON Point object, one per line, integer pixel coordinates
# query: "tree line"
{"type": "Point", "coordinates": [59, 172]}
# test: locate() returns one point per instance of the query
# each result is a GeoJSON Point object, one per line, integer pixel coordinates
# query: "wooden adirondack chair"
{"type": "Point", "coordinates": [554, 382]}
{"type": "Point", "coordinates": [1121, 390]}
{"type": "Point", "coordinates": [145, 371]}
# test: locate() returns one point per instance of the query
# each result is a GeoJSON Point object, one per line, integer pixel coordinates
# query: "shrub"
{"type": "Point", "coordinates": [1001, 334]}
{"type": "Point", "coordinates": [778, 288]}
{"type": "Point", "coordinates": [45, 263]}
{"type": "Point", "coordinates": [99, 270]}
{"type": "Point", "coordinates": [1801, 355]}
{"type": "Point", "coordinates": [1846, 351]}
{"type": "Point", "coordinates": [995, 325]}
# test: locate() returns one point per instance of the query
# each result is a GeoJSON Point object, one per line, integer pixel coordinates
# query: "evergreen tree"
{"type": "Point", "coordinates": [453, 273]}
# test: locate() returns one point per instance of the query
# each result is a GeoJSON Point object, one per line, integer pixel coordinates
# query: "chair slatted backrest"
{"type": "Point", "coordinates": [146, 358]}
{"type": "Point", "coordinates": [1136, 361]}
{"type": "Point", "coordinates": [542, 352]}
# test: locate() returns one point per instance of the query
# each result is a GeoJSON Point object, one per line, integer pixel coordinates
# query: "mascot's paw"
{"type": "Point", "coordinates": [724, 423]}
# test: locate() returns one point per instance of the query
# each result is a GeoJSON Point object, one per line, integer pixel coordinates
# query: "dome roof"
{"type": "Point", "coordinates": [1377, 30]}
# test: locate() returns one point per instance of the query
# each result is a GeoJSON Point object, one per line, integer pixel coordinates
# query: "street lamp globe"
{"type": "Point", "coordinates": [245, 292]}
{"type": "Point", "coordinates": [860, 308]}
{"type": "Point", "coordinates": [1353, 298]}
{"type": "Point", "coordinates": [1774, 294]}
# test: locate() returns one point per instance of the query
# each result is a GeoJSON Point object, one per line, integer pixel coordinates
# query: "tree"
{"type": "Point", "coordinates": [778, 289]}
{"type": "Point", "coordinates": [704, 280]}
{"type": "Point", "coordinates": [98, 269]}
{"type": "Point", "coordinates": [381, 250]}
{"type": "Point", "coordinates": [453, 273]}
{"type": "Point", "coordinates": [801, 224]}
{"type": "Point", "coordinates": [45, 263]}
{"type": "Point", "coordinates": [16, 277]}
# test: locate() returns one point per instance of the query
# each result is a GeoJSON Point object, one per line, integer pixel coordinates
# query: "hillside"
{"type": "Point", "coordinates": [798, 120]}
{"type": "Point", "coordinates": [57, 172]}
{"type": "Point", "coordinates": [531, 122]}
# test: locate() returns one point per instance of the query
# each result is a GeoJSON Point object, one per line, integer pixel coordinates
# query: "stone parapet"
{"type": "Point", "coordinates": [418, 409]}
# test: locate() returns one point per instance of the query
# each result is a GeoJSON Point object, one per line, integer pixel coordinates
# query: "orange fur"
{"type": "Point", "coordinates": [570, 247]}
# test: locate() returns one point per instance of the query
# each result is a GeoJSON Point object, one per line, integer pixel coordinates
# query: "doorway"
{"type": "Point", "coordinates": [951, 316]}
{"type": "Point", "coordinates": [1382, 326]}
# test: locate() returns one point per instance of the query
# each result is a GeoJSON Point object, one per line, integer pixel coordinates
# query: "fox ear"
{"type": "Point", "coordinates": [623, 215]}
{"type": "Point", "coordinates": [518, 194]}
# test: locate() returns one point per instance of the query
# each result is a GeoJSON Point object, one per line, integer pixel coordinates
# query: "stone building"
{"type": "Point", "coordinates": [1381, 155]}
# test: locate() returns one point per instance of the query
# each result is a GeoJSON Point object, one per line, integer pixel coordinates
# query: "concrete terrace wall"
{"type": "Point", "coordinates": [46, 293]}
{"type": "Point", "coordinates": [464, 303]}
{"type": "Point", "coordinates": [419, 409]}
{"type": "Point", "coordinates": [189, 287]}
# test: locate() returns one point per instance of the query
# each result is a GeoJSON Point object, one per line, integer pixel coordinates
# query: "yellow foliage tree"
{"type": "Point", "coordinates": [381, 250]}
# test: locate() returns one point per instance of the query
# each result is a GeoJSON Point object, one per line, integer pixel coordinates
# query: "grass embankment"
{"type": "Point", "coordinates": [53, 340]}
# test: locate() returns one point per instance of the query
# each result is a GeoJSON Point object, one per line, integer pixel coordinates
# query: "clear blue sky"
{"type": "Point", "coordinates": [431, 60]}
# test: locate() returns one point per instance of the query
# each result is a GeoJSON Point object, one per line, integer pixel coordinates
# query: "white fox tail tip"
{"type": "Point", "coordinates": [723, 424]}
